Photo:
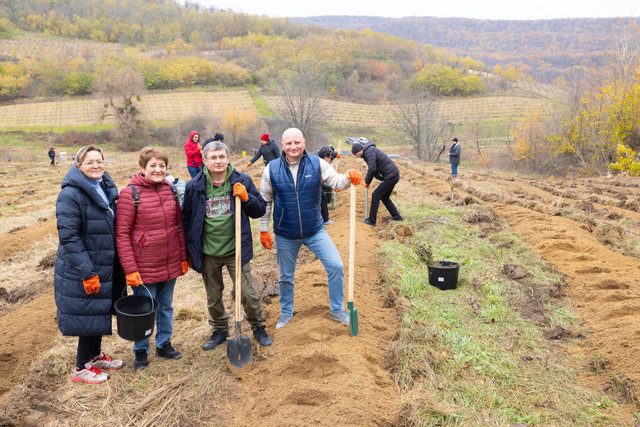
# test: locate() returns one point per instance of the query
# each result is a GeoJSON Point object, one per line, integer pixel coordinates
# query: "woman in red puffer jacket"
{"type": "Point", "coordinates": [193, 150]}
{"type": "Point", "coordinates": [150, 241]}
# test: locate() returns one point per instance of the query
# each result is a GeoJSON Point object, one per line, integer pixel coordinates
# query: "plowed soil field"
{"type": "Point", "coordinates": [315, 372]}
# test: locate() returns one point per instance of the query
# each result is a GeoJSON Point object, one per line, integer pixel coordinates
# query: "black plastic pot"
{"type": "Point", "coordinates": [136, 316]}
{"type": "Point", "coordinates": [444, 274]}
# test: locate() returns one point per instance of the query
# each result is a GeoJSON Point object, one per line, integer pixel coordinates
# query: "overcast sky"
{"type": "Point", "coordinates": [488, 9]}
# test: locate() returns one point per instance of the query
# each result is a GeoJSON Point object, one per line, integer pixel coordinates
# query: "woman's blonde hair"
{"type": "Point", "coordinates": [82, 153]}
{"type": "Point", "coordinates": [148, 153]}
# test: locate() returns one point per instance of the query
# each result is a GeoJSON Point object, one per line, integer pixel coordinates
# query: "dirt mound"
{"type": "Point", "coordinates": [23, 239]}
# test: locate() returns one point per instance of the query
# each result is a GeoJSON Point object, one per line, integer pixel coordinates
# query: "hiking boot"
{"type": "Point", "coordinates": [168, 352]}
{"type": "Point", "coordinates": [90, 375]}
{"type": "Point", "coordinates": [141, 360]}
{"type": "Point", "coordinates": [340, 316]}
{"type": "Point", "coordinates": [262, 337]}
{"type": "Point", "coordinates": [105, 362]}
{"type": "Point", "coordinates": [369, 222]}
{"type": "Point", "coordinates": [217, 338]}
{"type": "Point", "coordinates": [397, 218]}
{"type": "Point", "coordinates": [284, 319]}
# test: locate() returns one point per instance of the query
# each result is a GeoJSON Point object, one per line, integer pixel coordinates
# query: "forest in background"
{"type": "Point", "coordinates": [545, 49]}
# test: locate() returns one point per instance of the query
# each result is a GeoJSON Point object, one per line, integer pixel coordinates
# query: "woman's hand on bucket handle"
{"type": "Point", "coordinates": [184, 265]}
{"type": "Point", "coordinates": [92, 285]}
{"type": "Point", "coordinates": [134, 279]}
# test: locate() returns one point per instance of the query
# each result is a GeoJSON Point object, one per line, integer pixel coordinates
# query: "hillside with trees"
{"type": "Point", "coordinates": [546, 49]}
{"type": "Point", "coordinates": [186, 45]}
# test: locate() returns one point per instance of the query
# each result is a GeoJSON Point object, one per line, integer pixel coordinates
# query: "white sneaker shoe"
{"type": "Point", "coordinates": [284, 319]}
{"type": "Point", "coordinates": [89, 375]}
{"type": "Point", "coordinates": [328, 222]}
{"type": "Point", "coordinates": [105, 362]}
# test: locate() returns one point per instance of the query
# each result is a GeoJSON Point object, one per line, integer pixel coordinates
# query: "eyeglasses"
{"type": "Point", "coordinates": [90, 163]}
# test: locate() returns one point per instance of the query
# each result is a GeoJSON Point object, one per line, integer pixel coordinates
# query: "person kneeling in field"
{"type": "Point", "coordinates": [292, 184]}
{"type": "Point", "coordinates": [208, 218]}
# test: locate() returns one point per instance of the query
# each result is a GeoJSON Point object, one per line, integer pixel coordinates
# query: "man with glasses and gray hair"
{"type": "Point", "coordinates": [208, 219]}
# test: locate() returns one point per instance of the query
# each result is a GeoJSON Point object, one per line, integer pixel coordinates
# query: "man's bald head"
{"type": "Point", "coordinates": [293, 144]}
{"type": "Point", "coordinates": [291, 132]}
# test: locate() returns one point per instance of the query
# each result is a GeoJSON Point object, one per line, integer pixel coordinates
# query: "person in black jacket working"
{"type": "Point", "coordinates": [52, 156]}
{"type": "Point", "coordinates": [380, 167]}
{"type": "Point", "coordinates": [268, 150]}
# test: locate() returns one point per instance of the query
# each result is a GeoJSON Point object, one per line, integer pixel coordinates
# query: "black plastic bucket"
{"type": "Point", "coordinates": [444, 274]}
{"type": "Point", "coordinates": [136, 316]}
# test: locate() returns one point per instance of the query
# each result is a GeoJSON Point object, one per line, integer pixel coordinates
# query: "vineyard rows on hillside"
{"type": "Point", "coordinates": [39, 47]}
{"type": "Point", "coordinates": [158, 106]}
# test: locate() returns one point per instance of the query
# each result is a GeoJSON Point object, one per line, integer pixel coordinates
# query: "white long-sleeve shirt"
{"type": "Point", "coordinates": [328, 175]}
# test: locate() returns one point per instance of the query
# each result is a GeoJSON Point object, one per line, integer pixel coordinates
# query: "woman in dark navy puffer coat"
{"type": "Point", "coordinates": [84, 269]}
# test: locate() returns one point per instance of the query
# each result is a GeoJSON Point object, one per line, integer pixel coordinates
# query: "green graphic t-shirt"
{"type": "Point", "coordinates": [219, 234]}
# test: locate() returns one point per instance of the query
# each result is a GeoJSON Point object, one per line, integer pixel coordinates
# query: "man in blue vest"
{"type": "Point", "coordinates": [291, 188]}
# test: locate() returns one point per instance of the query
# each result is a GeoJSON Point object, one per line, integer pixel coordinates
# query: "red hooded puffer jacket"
{"type": "Point", "coordinates": [151, 239]}
{"type": "Point", "coordinates": [192, 150]}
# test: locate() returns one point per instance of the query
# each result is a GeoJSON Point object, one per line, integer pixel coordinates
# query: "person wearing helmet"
{"type": "Point", "coordinates": [382, 168]}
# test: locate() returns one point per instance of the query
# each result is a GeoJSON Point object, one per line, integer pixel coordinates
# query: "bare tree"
{"type": "Point", "coordinates": [302, 103]}
{"type": "Point", "coordinates": [415, 117]}
{"type": "Point", "coordinates": [122, 87]}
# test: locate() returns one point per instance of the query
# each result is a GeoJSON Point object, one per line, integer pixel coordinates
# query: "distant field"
{"type": "Point", "coordinates": [37, 47]}
{"type": "Point", "coordinates": [88, 111]}
{"type": "Point", "coordinates": [180, 105]}
{"type": "Point", "coordinates": [455, 110]}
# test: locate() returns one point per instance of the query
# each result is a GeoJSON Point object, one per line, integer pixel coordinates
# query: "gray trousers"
{"type": "Point", "coordinates": [214, 285]}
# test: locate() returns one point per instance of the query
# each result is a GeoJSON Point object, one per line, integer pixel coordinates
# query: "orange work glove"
{"type": "Point", "coordinates": [338, 155]}
{"type": "Point", "coordinates": [184, 265]}
{"type": "Point", "coordinates": [336, 190]}
{"type": "Point", "coordinates": [249, 164]}
{"type": "Point", "coordinates": [91, 285]}
{"type": "Point", "coordinates": [134, 279]}
{"type": "Point", "coordinates": [354, 175]}
{"type": "Point", "coordinates": [265, 239]}
{"type": "Point", "coordinates": [365, 185]}
{"type": "Point", "coordinates": [189, 263]}
{"type": "Point", "coordinates": [240, 190]}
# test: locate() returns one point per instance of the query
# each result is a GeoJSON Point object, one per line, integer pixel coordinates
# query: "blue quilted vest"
{"type": "Point", "coordinates": [296, 209]}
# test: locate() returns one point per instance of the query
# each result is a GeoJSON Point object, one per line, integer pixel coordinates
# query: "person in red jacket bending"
{"type": "Point", "coordinates": [193, 150]}
{"type": "Point", "coordinates": [150, 242]}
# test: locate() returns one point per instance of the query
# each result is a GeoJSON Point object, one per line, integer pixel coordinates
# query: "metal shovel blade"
{"type": "Point", "coordinates": [238, 352]}
{"type": "Point", "coordinates": [353, 319]}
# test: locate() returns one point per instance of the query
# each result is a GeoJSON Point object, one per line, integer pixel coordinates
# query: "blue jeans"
{"type": "Point", "coordinates": [163, 292]}
{"type": "Point", "coordinates": [322, 246]}
{"type": "Point", "coordinates": [454, 169]}
{"type": "Point", "coordinates": [193, 171]}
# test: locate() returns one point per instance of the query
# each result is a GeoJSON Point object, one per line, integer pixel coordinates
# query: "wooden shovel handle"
{"type": "Point", "coordinates": [352, 241]}
{"type": "Point", "coordinates": [238, 257]}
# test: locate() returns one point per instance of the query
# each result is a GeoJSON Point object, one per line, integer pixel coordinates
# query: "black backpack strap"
{"type": "Point", "coordinates": [136, 196]}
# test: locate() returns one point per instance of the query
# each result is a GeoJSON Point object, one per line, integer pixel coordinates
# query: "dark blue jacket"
{"type": "Point", "coordinates": [296, 209]}
{"type": "Point", "coordinates": [193, 210]}
{"type": "Point", "coordinates": [454, 154]}
{"type": "Point", "coordinates": [87, 247]}
{"type": "Point", "coordinates": [380, 165]}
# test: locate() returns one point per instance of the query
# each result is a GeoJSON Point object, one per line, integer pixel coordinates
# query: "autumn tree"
{"type": "Point", "coordinates": [417, 120]}
{"type": "Point", "coordinates": [236, 123]}
{"type": "Point", "coordinates": [302, 104]}
{"type": "Point", "coordinates": [122, 88]}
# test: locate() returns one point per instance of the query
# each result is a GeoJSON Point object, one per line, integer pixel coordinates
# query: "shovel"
{"type": "Point", "coordinates": [353, 313]}
{"type": "Point", "coordinates": [238, 348]}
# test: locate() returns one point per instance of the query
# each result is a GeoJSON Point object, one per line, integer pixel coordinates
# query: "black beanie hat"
{"type": "Point", "coordinates": [455, 139]}
{"type": "Point", "coordinates": [356, 147]}
{"type": "Point", "coordinates": [218, 137]}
